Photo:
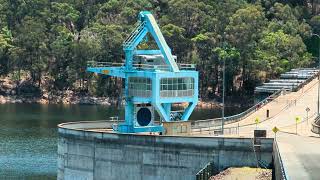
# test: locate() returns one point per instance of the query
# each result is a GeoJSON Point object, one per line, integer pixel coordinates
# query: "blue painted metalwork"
{"type": "Point", "coordinates": [152, 78]}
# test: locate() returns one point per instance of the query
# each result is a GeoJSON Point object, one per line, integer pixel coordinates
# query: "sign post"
{"type": "Point", "coordinates": [297, 120]}
{"type": "Point", "coordinates": [275, 130]}
{"type": "Point", "coordinates": [307, 110]}
{"type": "Point", "coordinates": [257, 121]}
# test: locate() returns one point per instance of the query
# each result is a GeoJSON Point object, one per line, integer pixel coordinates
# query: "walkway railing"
{"type": "Point", "coordinates": [307, 81]}
{"type": "Point", "coordinates": [206, 172]}
{"type": "Point", "coordinates": [215, 124]}
{"type": "Point", "coordinates": [137, 66]}
{"type": "Point", "coordinates": [103, 64]}
{"type": "Point", "coordinates": [316, 125]}
{"type": "Point", "coordinates": [235, 118]}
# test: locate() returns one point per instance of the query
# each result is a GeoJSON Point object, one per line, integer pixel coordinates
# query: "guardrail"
{"type": "Point", "coordinates": [103, 64]}
{"type": "Point", "coordinates": [162, 67]}
{"type": "Point", "coordinates": [235, 118]}
{"type": "Point", "coordinates": [315, 126]}
{"type": "Point", "coordinates": [307, 81]}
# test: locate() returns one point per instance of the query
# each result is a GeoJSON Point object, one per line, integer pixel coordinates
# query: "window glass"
{"type": "Point", "coordinates": [139, 86]}
{"type": "Point", "coordinates": [174, 87]}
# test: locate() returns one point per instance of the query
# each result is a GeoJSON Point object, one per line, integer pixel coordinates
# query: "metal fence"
{"type": "Point", "coordinates": [206, 172]}
{"type": "Point", "coordinates": [307, 81]}
{"type": "Point", "coordinates": [235, 118]}
{"type": "Point", "coordinates": [103, 64]}
{"type": "Point", "coordinates": [140, 66]}
{"type": "Point", "coordinates": [315, 125]}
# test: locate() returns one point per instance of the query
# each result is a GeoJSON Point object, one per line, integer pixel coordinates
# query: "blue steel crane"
{"type": "Point", "coordinates": [153, 81]}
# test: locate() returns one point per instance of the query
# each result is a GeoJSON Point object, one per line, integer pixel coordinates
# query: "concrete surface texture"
{"type": "Point", "coordinates": [90, 151]}
{"type": "Point", "coordinates": [298, 146]}
{"type": "Point", "coordinates": [283, 112]}
{"type": "Point", "coordinates": [300, 156]}
{"type": "Point", "coordinates": [101, 155]}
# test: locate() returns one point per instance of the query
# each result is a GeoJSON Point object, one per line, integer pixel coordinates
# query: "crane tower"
{"type": "Point", "coordinates": [153, 80]}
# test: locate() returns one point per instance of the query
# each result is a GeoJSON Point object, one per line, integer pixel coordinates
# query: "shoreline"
{"type": "Point", "coordinates": [57, 100]}
{"type": "Point", "coordinates": [9, 95]}
{"type": "Point", "coordinates": [91, 100]}
{"type": "Point", "coordinates": [73, 100]}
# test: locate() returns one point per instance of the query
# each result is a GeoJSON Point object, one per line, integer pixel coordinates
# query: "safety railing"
{"type": "Point", "coordinates": [235, 118]}
{"type": "Point", "coordinates": [129, 41]}
{"type": "Point", "coordinates": [307, 81]}
{"type": "Point", "coordinates": [150, 67]}
{"type": "Point", "coordinates": [206, 172]}
{"type": "Point", "coordinates": [163, 67]}
{"type": "Point", "coordinates": [316, 125]}
{"type": "Point", "coordinates": [103, 64]}
{"type": "Point", "coordinates": [187, 66]}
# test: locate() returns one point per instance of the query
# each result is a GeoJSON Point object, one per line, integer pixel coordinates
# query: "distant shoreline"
{"type": "Point", "coordinates": [7, 99]}
{"type": "Point", "coordinates": [58, 100]}
{"type": "Point", "coordinates": [10, 94]}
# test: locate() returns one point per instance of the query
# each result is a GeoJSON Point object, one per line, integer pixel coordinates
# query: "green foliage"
{"type": "Point", "coordinates": [5, 40]}
{"type": "Point", "coordinates": [245, 28]}
{"type": "Point", "coordinates": [278, 52]}
{"type": "Point", "coordinates": [227, 53]}
{"type": "Point", "coordinates": [55, 39]}
{"type": "Point", "coordinates": [285, 18]}
{"type": "Point", "coordinates": [175, 37]}
{"type": "Point", "coordinates": [315, 22]}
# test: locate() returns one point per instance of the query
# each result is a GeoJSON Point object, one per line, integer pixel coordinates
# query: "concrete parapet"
{"type": "Point", "coordinates": [316, 125]}
{"type": "Point", "coordinates": [279, 172]}
{"type": "Point", "coordinates": [88, 154]}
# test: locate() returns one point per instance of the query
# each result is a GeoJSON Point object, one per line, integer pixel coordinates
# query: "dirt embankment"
{"type": "Point", "coordinates": [31, 94]}
{"type": "Point", "coordinates": [244, 173]}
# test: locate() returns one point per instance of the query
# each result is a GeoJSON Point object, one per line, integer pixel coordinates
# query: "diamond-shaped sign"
{"type": "Point", "coordinates": [257, 120]}
{"type": "Point", "coordinates": [275, 129]}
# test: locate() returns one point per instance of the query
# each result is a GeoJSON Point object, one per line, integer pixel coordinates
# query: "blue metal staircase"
{"type": "Point", "coordinates": [129, 42]}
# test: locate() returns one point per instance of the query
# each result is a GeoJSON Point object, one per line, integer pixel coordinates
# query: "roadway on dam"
{"type": "Point", "coordinates": [298, 146]}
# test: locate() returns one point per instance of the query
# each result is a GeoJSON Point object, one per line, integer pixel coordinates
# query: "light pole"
{"type": "Point", "coordinates": [318, 103]}
{"type": "Point", "coordinates": [223, 92]}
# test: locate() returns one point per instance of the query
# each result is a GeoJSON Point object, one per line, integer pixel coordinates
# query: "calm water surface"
{"type": "Point", "coordinates": [28, 136]}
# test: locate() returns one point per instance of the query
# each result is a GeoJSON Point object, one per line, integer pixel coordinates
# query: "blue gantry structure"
{"type": "Point", "coordinates": [153, 80]}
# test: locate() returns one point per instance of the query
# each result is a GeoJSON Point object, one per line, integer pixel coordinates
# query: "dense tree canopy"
{"type": "Point", "coordinates": [49, 42]}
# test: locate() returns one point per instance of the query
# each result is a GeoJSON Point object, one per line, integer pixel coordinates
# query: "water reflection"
{"type": "Point", "coordinates": [28, 136]}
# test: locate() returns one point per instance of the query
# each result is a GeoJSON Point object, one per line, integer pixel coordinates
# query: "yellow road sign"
{"type": "Point", "coordinates": [297, 119]}
{"type": "Point", "coordinates": [257, 120]}
{"type": "Point", "coordinates": [275, 129]}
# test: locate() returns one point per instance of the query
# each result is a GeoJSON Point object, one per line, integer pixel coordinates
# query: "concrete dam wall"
{"type": "Point", "coordinates": [95, 154]}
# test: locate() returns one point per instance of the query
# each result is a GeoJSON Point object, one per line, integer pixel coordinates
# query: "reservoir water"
{"type": "Point", "coordinates": [28, 134]}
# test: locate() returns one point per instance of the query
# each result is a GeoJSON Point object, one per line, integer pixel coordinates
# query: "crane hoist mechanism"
{"type": "Point", "coordinates": [153, 81]}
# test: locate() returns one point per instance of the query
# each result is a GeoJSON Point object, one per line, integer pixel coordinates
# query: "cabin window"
{"type": "Point", "coordinates": [177, 87]}
{"type": "Point", "coordinates": [140, 86]}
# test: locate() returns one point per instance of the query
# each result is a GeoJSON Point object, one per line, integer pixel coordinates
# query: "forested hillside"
{"type": "Point", "coordinates": [45, 44]}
